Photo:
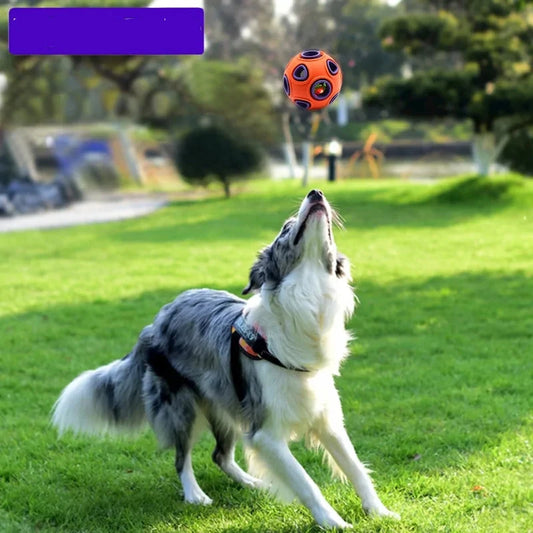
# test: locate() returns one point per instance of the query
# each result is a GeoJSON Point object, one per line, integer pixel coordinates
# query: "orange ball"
{"type": "Point", "coordinates": [312, 79]}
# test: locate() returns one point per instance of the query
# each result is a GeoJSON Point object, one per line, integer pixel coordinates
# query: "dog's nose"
{"type": "Point", "coordinates": [315, 195]}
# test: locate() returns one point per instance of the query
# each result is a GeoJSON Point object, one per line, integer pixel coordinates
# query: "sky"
{"type": "Point", "coordinates": [176, 3]}
{"type": "Point", "coordinates": [282, 6]}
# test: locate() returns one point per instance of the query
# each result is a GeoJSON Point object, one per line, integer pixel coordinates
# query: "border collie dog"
{"type": "Point", "coordinates": [261, 369]}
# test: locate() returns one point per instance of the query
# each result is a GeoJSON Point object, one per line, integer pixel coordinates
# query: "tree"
{"type": "Point", "coordinates": [237, 27]}
{"type": "Point", "coordinates": [211, 153]}
{"type": "Point", "coordinates": [233, 95]}
{"type": "Point", "coordinates": [358, 46]}
{"type": "Point", "coordinates": [157, 90]}
{"type": "Point", "coordinates": [65, 89]}
{"type": "Point", "coordinates": [489, 49]}
{"type": "Point", "coordinates": [75, 88]}
{"type": "Point", "coordinates": [518, 152]}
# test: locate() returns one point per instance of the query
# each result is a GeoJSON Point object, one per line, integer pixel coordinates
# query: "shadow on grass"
{"type": "Point", "coordinates": [476, 189]}
{"type": "Point", "coordinates": [446, 367]}
{"type": "Point", "coordinates": [441, 370]}
{"type": "Point", "coordinates": [402, 205]}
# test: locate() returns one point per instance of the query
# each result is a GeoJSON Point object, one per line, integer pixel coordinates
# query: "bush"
{"type": "Point", "coordinates": [211, 153]}
{"type": "Point", "coordinates": [518, 152]}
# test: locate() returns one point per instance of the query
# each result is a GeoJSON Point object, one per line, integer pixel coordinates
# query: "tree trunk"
{"type": "Point", "coordinates": [306, 161]}
{"type": "Point", "coordinates": [307, 147]}
{"type": "Point", "coordinates": [18, 144]}
{"type": "Point", "coordinates": [485, 151]}
{"type": "Point", "coordinates": [288, 146]}
{"type": "Point", "coordinates": [226, 182]}
{"type": "Point", "coordinates": [128, 152]}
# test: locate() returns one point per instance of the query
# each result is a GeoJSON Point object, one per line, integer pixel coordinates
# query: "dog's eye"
{"type": "Point", "coordinates": [286, 228]}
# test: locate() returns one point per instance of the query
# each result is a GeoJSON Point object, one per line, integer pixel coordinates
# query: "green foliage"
{"type": "Point", "coordinates": [234, 94]}
{"type": "Point", "coordinates": [213, 153]}
{"type": "Point", "coordinates": [63, 89]}
{"type": "Point", "coordinates": [224, 22]}
{"type": "Point", "coordinates": [37, 90]}
{"type": "Point", "coordinates": [518, 152]}
{"type": "Point", "coordinates": [436, 393]}
{"type": "Point", "coordinates": [503, 99]}
{"type": "Point", "coordinates": [164, 92]}
{"type": "Point", "coordinates": [425, 95]}
{"type": "Point", "coordinates": [416, 33]}
{"type": "Point", "coordinates": [489, 46]}
{"type": "Point", "coordinates": [357, 47]}
{"type": "Point", "coordinates": [60, 3]}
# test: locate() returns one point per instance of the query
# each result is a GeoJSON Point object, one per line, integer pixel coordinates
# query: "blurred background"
{"type": "Point", "coordinates": [432, 88]}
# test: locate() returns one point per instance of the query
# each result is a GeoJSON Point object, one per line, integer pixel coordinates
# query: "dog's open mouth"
{"type": "Point", "coordinates": [314, 208]}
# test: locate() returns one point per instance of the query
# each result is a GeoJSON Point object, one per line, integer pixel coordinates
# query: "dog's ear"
{"type": "Point", "coordinates": [257, 273]}
{"type": "Point", "coordinates": [342, 267]}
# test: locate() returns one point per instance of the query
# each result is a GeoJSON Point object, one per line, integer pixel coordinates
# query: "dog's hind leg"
{"type": "Point", "coordinates": [226, 436]}
{"type": "Point", "coordinates": [185, 438]}
{"type": "Point", "coordinates": [191, 490]}
{"type": "Point", "coordinates": [176, 420]}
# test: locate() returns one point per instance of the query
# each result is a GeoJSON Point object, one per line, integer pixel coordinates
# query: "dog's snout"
{"type": "Point", "coordinates": [315, 195]}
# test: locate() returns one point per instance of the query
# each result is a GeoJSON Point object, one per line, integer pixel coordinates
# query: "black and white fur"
{"type": "Point", "coordinates": [178, 374]}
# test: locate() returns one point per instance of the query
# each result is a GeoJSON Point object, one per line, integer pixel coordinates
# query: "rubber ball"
{"type": "Point", "coordinates": [312, 79]}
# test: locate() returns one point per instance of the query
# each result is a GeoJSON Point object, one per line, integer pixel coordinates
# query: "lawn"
{"type": "Point", "coordinates": [437, 392]}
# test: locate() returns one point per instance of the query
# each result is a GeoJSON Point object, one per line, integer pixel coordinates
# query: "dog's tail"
{"type": "Point", "coordinates": [108, 399]}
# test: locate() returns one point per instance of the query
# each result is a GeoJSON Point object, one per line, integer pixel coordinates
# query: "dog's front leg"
{"type": "Point", "coordinates": [279, 459]}
{"type": "Point", "coordinates": [337, 443]}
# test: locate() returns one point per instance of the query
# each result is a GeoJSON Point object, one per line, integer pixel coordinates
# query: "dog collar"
{"type": "Point", "coordinates": [253, 345]}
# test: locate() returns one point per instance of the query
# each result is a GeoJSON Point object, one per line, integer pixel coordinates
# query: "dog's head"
{"type": "Point", "coordinates": [308, 236]}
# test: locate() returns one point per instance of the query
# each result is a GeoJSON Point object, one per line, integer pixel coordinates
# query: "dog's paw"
{"type": "Point", "coordinates": [331, 520]}
{"type": "Point", "coordinates": [258, 484]}
{"type": "Point", "coordinates": [340, 524]}
{"type": "Point", "coordinates": [252, 482]}
{"type": "Point", "coordinates": [198, 497]}
{"type": "Point", "coordinates": [380, 511]}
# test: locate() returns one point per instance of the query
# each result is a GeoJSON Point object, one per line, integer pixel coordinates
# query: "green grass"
{"type": "Point", "coordinates": [437, 393]}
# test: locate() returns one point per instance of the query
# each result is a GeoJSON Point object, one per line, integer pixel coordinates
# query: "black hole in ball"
{"type": "Point", "coordinates": [303, 104]}
{"type": "Point", "coordinates": [321, 89]}
{"type": "Point", "coordinates": [310, 54]}
{"type": "Point", "coordinates": [286, 85]}
{"type": "Point", "coordinates": [332, 67]}
{"type": "Point", "coordinates": [300, 73]}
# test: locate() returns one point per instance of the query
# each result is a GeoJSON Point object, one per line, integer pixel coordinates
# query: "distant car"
{"type": "Point", "coordinates": [155, 157]}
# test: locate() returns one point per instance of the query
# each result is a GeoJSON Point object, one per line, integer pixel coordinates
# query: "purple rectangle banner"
{"type": "Point", "coordinates": [106, 31]}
